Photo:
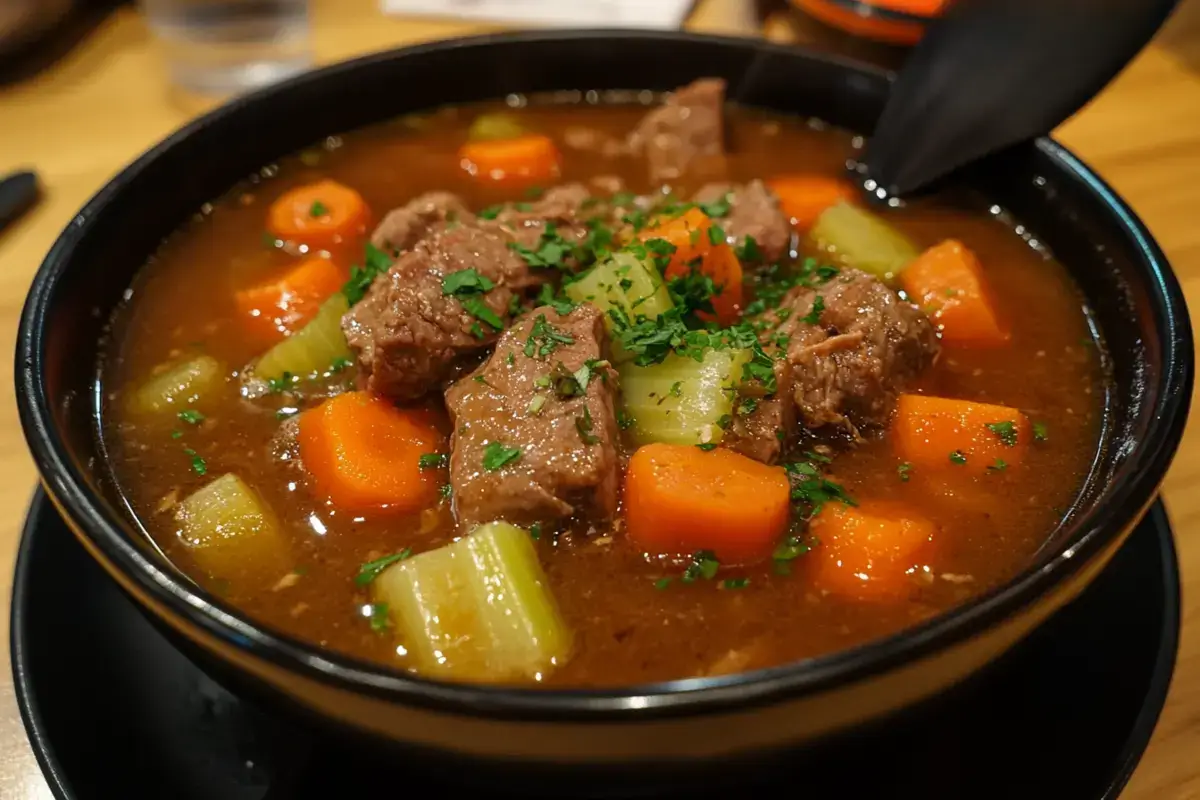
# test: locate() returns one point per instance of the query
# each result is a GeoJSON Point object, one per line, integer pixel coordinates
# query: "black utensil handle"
{"type": "Point", "coordinates": [18, 192]}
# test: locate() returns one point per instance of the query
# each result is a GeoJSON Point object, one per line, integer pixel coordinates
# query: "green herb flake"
{"type": "Point", "coordinates": [662, 583]}
{"type": "Point", "coordinates": [198, 464]}
{"type": "Point", "coordinates": [704, 565]}
{"type": "Point", "coordinates": [707, 446]}
{"type": "Point", "coordinates": [477, 308]}
{"type": "Point", "coordinates": [790, 549]}
{"type": "Point", "coordinates": [1005, 431]}
{"type": "Point", "coordinates": [1040, 434]}
{"type": "Point", "coordinates": [550, 251]}
{"type": "Point", "coordinates": [724, 421]}
{"type": "Point", "coordinates": [716, 235]}
{"type": "Point", "coordinates": [370, 570]}
{"type": "Point", "coordinates": [535, 531]}
{"type": "Point", "coordinates": [466, 281]}
{"type": "Point", "coordinates": [433, 460]}
{"type": "Point", "coordinates": [811, 490]}
{"type": "Point", "coordinates": [904, 470]}
{"type": "Point", "coordinates": [717, 208]}
{"type": "Point", "coordinates": [749, 251]}
{"type": "Point", "coordinates": [379, 617]}
{"type": "Point", "coordinates": [624, 420]}
{"type": "Point", "coordinates": [375, 263]}
{"type": "Point", "coordinates": [560, 303]}
{"type": "Point", "coordinates": [813, 317]}
{"type": "Point", "coordinates": [491, 212]}
{"type": "Point", "coordinates": [496, 455]}
{"type": "Point", "coordinates": [191, 416]}
{"type": "Point", "coordinates": [584, 425]}
{"type": "Point", "coordinates": [544, 338]}
{"type": "Point", "coordinates": [958, 457]}
{"type": "Point", "coordinates": [446, 491]}
{"type": "Point", "coordinates": [176, 434]}
{"type": "Point", "coordinates": [340, 364]}
{"type": "Point", "coordinates": [735, 583]}
{"type": "Point", "coordinates": [999, 466]}
{"type": "Point", "coordinates": [676, 389]}
{"type": "Point", "coordinates": [318, 209]}
{"type": "Point", "coordinates": [281, 384]}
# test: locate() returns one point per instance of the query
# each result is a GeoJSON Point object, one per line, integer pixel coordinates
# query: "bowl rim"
{"type": "Point", "coordinates": [114, 539]}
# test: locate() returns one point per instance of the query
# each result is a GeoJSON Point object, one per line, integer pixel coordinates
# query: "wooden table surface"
{"type": "Point", "coordinates": [109, 100]}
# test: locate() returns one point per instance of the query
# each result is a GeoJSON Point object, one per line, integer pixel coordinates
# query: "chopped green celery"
{"type": "Point", "coordinates": [623, 281]}
{"type": "Point", "coordinates": [315, 348]}
{"type": "Point", "coordinates": [862, 240]}
{"type": "Point", "coordinates": [478, 609]}
{"type": "Point", "coordinates": [495, 126]}
{"type": "Point", "coordinates": [231, 534]}
{"type": "Point", "coordinates": [180, 386]}
{"type": "Point", "coordinates": [681, 400]}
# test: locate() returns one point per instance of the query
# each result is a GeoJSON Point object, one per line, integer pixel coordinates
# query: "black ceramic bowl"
{"type": "Point", "coordinates": [692, 723]}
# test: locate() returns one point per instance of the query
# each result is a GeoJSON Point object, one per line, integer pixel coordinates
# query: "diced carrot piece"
{"type": "Point", "coordinates": [364, 453]}
{"type": "Point", "coordinates": [532, 158]}
{"type": "Point", "coordinates": [869, 551]}
{"type": "Point", "coordinates": [804, 197]}
{"type": "Point", "coordinates": [952, 436]}
{"type": "Point", "coordinates": [321, 215]}
{"type": "Point", "coordinates": [280, 308]}
{"type": "Point", "coordinates": [680, 499]}
{"type": "Point", "coordinates": [947, 281]}
{"type": "Point", "coordinates": [695, 250]}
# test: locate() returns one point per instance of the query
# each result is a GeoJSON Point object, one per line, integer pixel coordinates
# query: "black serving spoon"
{"type": "Point", "coordinates": [991, 73]}
{"type": "Point", "coordinates": [18, 192]}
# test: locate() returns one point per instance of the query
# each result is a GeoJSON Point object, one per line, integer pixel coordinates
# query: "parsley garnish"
{"type": "Point", "coordinates": [340, 363]}
{"type": "Point", "coordinates": [813, 317]}
{"type": "Point", "coordinates": [496, 455]}
{"type": "Point", "coordinates": [466, 281]}
{"type": "Point", "coordinates": [716, 208]}
{"type": "Point", "coordinates": [477, 308]}
{"type": "Point", "coordinates": [375, 263]}
{"type": "Point", "coordinates": [433, 460]}
{"type": "Point", "coordinates": [584, 425]}
{"type": "Point", "coordinates": [446, 491]}
{"type": "Point", "coordinates": [704, 565]}
{"type": "Point", "coordinates": [958, 457]}
{"type": "Point", "coordinates": [735, 583]}
{"type": "Point", "coordinates": [282, 383]}
{"type": "Point", "coordinates": [1005, 431]}
{"type": "Point", "coordinates": [535, 531]}
{"type": "Point", "coordinates": [191, 416]}
{"type": "Point", "coordinates": [379, 617]}
{"type": "Point", "coordinates": [716, 234]}
{"type": "Point", "coordinates": [198, 465]}
{"type": "Point", "coordinates": [811, 490]}
{"type": "Point", "coordinates": [790, 549]}
{"type": "Point", "coordinates": [707, 446]}
{"type": "Point", "coordinates": [662, 583]}
{"type": "Point", "coordinates": [624, 421]}
{"type": "Point", "coordinates": [561, 304]}
{"type": "Point", "coordinates": [761, 368]}
{"type": "Point", "coordinates": [749, 251]}
{"type": "Point", "coordinates": [1040, 434]}
{"type": "Point", "coordinates": [491, 212]}
{"type": "Point", "coordinates": [904, 470]}
{"type": "Point", "coordinates": [544, 338]}
{"type": "Point", "coordinates": [550, 250]}
{"type": "Point", "coordinates": [318, 209]}
{"type": "Point", "coordinates": [999, 466]}
{"type": "Point", "coordinates": [370, 570]}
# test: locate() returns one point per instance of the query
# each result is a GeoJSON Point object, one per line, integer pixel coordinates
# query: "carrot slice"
{"type": "Point", "coordinates": [947, 281]}
{"type": "Point", "coordinates": [277, 309]}
{"type": "Point", "coordinates": [532, 158]}
{"type": "Point", "coordinates": [695, 250]}
{"type": "Point", "coordinates": [679, 499]}
{"type": "Point", "coordinates": [321, 215]}
{"type": "Point", "coordinates": [804, 197]}
{"type": "Point", "coordinates": [364, 453]}
{"type": "Point", "coordinates": [869, 551]}
{"type": "Point", "coordinates": [959, 436]}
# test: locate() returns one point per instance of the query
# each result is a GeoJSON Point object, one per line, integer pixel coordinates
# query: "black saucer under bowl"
{"type": "Point", "coordinates": [113, 710]}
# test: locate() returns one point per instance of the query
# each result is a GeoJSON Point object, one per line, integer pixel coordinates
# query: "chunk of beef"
{"type": "Point", "coordinates": [562, 206]}
{"type": "Point", "coordinates": [403, 227]}
{"type": "Point", "coordinates": [408, 335]}
{"type": "Point", "coordinates": [760, 425]}
{"type": "Point", "coordinates": [753, 211]}
{"type": "Point", "coordinates": [687, 129]}
{"type": "Point", "coordinates": [867, 342]}
{"type": "Point", "coordinates": [567, 463]}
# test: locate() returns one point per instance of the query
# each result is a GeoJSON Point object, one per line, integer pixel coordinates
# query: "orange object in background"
{"type": "Point", "coordinates": [277, 309]}
{"type": "Point", "coordinates": [900, 22]}
{"type": "Point", "coordinates": [868, 552]}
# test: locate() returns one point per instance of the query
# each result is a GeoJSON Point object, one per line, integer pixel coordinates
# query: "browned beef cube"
{"type": "Point", "coordinates": [753, 211]}
{"type": "Point", "coordinates": [760, 425]}
{"type": "Point", "coordinates": [523, 405]}
{"type": "Point", "coordinates": [403, 227]}
{"type": "Point", "coordinates": [687, 129]}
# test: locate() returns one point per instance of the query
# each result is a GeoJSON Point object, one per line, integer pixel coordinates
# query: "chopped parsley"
{"type": "Point", "coordinates": [1005, 431]}
{"type": "Point", "coordinates": [544, 338]}
{"type": "Point", "coordinates": [676, 389]}
{"type": "Point", "coordinates": [584, 425]}
{"type": "Point", "coordinates": [716, 208]}
{"type": "Point", "coordinates": [375, 263]}
{"type": "Point", "coordinates": [446, 491]}
{"type": "Point", "coordinates": [958, 457]}
{"type": "Point", "coordinates": [535, 531]}
{"type": "Point", "coordinates": [379, 617]}
{"type": "Point", "coordinates": [813, 317]}
{"type": "Point", "coordinates": [466, 281]}
{"type": "Point", "coordinates": [318, 209]}
{"type": "Point", "coordinates": [999, 466]}
{"type": "Point", "coordinates": [370, 570]}
{"type": "Point", "coordinates": [904, 471]}
{"type": "Point", "coordinates": [811, 490]}
{"type": "Point", "coordinates": [491, 212]}
{"type": "Point", "coordinates": [704, 565]}
{"type": "Point", "coordinates": [1040, 434]}
{"type": "Point", "coordinates": [560, 303]}
{"type": "Point", "coordinates": [746, 406]}
{"type": "Point", "coordinates": [707, 446]}
{"type": "Point", "coordinates": [790, 549]}
{"type": "Point", "coordinates": [817, 458]}
{"type": "Point", "coordinates": [624, 420]}
{"type": "Point", "coordinates": [340, 364]}
{"type": "Point", "coordinates": [735, 583]}
{"type": "Point", "coordinates": [724, 421]}
{"type": "Point", "coordinates": [716, 234]}
{"type": "Point", "coordinates": [749, 251]}
{"type": "Point", "coordinates": [477, 308]}
{"type": "Point", "coordinates": [282, 383]}
{"type": "Point", "coordinates": [433, 460]}
{"type": "Point", "coordinates": [551, 249]}
{"type": "Point", "coordinates": [496, 455]}
{"type": "Point", "coordinates": [191, 416]}
{"type": "Point", "coordinates": [177, 434]}
{"type": "Point", "coordinates": [662, 583]}
{"type": "Point", "coordinates": [761, 368]}
{"type": "Point", "coordinates": [198, 465]}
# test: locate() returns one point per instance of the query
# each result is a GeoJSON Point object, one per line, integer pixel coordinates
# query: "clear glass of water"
{"type": "Point", "coordinates": [223, 47]}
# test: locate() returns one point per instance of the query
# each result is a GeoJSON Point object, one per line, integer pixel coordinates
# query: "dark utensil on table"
{"type": "Point", "coordinates": [992, 73]}
{"type": "Point", "coordinates": [18, 192]}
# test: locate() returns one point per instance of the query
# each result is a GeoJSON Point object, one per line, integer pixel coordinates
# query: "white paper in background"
{"type": "Point", "coordinates": [554, 13]}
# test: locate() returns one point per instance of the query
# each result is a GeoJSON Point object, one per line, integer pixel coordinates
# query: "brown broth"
{"type": "Point", "coordinates": [627, 630]}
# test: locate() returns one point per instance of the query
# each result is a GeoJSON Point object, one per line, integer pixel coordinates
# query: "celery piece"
{"type": "Point", "coordinates": [862, 240]}
{"type": "Point", "coordinates": [179, 386]}
{"type": "Point", "coordinates": [478, 609]}
{"type": "Point", "coordinates": [231, 534]}
{"type": "Point", "coordinates": [625, 282]}
{"type": "Point", "coordinates": [681, 400]}
{"type": "Point", "coordinates": [488, 127]}
{"type": "Point", "coordinates": [315, 348]}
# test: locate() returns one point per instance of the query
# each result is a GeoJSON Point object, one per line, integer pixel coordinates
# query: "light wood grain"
{"type": "Point", "coordinates": [109, 100]}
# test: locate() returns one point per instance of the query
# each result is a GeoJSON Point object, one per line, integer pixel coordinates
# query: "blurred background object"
{"type": "Point", "coordinates": [898, 22]}
{"type": "Point", "coordinates": [576, 13]}
{"type": "Point", "coordinates": [225, 46]}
